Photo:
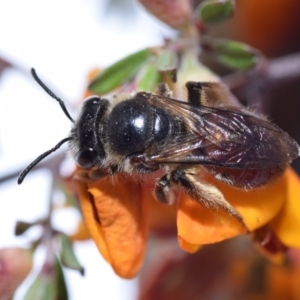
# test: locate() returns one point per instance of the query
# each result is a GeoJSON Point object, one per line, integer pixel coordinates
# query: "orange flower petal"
{"type": "Point", "coordinates": [198, 225]}
{"type": "Point", "coordinates": [286, 224]}
{"type": "Point", "coordinates": [257, 206]}
{"type": "Point", "coordinates": [81, 233]}
{"type": "Point", "coordinates": [90, 215]}
{"type": "Point", "coordinates": [116, 217]}
{"type": "Point", "coordinates": [191, 248]}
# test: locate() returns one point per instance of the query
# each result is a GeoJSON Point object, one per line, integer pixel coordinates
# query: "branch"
{"type": "Point", "coordinates": [256, 87]}
{"type": "Point", "coordinates": [52, 164]}
{"type": "Point", "coordinates": [284, 70]}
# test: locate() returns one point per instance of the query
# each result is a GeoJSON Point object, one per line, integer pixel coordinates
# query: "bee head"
{"type": "Point", "coordinates": [84, 135]}
{"type": "Point", "coordinates": [85, 144]}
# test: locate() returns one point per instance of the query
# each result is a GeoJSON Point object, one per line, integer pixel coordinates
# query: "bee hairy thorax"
{"type": "Point", "coordinates": [118, 136]}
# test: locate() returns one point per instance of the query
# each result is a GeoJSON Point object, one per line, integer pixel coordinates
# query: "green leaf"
{"type": "Point", "coordinates": [62, 291]}
{"type": "Point", "coordinates": [149, 79]}
{"type": "Point", "coordinates": [43, 288]}
{"type": "Point", "coordinates": [22, 227]}
{"type": "Point", "coordinates": [215, 11]}
{"type": "Point", "coordinates": [167, 64]}
{"type": "Point", "coordinates": [67, 255]}
{"type": "Point", "coordinates": [49, 284]}
{"type": "Point", "coordinates": [235, 54]}
{"type": "Point", "coordinates": [119, 72]}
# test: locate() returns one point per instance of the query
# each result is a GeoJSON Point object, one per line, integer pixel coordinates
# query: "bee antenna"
{"type": "Point", "coordinates": [51, 94]}
{"type": "Point", "coordinates": [38, 159]}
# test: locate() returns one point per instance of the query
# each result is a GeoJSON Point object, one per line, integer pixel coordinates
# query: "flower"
{"type": "Point", "coordinates": [15, 265]}
{"type": "Point", "coordinates": [118, 214]}
{"type": "Point", "coordinates": [174, 13]}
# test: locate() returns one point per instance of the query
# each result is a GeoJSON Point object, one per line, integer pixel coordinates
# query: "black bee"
{"type": "Point", "coordinates": [144, 132]}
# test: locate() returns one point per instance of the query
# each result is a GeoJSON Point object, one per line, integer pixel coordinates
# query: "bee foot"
{"type": "Point", "coordinates": [164, 190]}
{"type": "Point", "coordinates": [205, 194]}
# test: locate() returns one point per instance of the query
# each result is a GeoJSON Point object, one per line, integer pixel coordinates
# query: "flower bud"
{"type": "Point", "coordinates": [15, 265]}
{"type": "Point", "coordinates": [175, 13]}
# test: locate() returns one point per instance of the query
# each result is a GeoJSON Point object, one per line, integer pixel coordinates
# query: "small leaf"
{"type": "Point", "coordinates": [167, 64]}
{"type": "Point", "coordinates": [43, 287]}
{"type": "Point", "coordinates": [62, 291]}
{"type": "Point", "coordinates": [67, 255]}
{"type": "Point", "coordinates": [214, 11]}
{"type": "Point", "coordinates": [119, 72]}
{"type": "Point", "coordinates": [21, 227]}
{"type": "Point", "coordinates": [49, 284]}
{"type": "Point", "coordinates": [235, 54]}
{"type": "Point", "coordinates": [149, 79]}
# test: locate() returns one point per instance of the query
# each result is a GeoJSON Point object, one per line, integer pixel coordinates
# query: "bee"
{"type": "Point", "coordinates": [141, 133]}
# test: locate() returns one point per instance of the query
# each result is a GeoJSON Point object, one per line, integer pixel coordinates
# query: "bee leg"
{"type": "Point", "coordinates": [166, 191]}
{"type": "Point", "coordinates": [195, 92]}
{"type": "Point", "coordinates": [205, 194]}
{"type": "Point", "coordinates": [207, 93]}
{"type": "Point", "coordinates": [162, 89]}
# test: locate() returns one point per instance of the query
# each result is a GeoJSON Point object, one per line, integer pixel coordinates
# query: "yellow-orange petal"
{"type": "Point", "coordinates": [91, 75]}
{"type": "Point", "coordinates": [82, 233]}
{"type": "Point", "coordinates": [257, 206]}
{"type": "Point", "coordinates": [191, 248]}
{"type": "Point", "coordinates": [286, 224]}
{"type": "Point", "coordinates": [115, 215]}
{"type": "Point", "coordinates": [198, 225]}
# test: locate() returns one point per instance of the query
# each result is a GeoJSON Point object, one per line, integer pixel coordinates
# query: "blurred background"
{"type": "Point", "coordinates": [64, 41]}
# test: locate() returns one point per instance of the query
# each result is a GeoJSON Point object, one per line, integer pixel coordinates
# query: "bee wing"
{"type": "Point", "coordinates": [225, 136]}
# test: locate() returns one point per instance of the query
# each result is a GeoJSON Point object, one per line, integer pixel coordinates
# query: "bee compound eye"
{"type": "Point", "coordinates": [86, 158]}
